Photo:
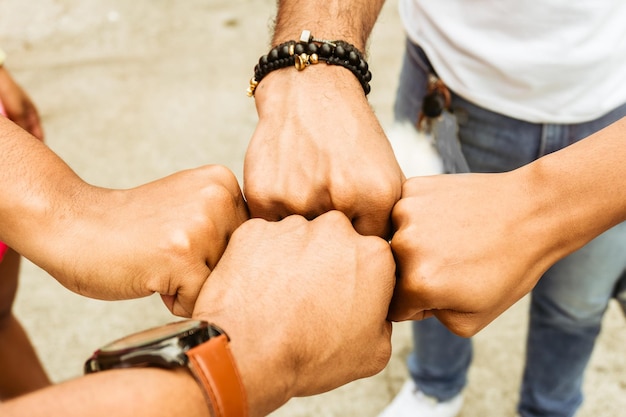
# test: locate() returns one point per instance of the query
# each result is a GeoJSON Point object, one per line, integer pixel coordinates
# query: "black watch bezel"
{"type": "Point", "coordinates": [162, 346]}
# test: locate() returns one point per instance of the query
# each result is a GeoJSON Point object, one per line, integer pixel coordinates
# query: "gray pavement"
{"type": "Point", "coordinates": [131, 91]}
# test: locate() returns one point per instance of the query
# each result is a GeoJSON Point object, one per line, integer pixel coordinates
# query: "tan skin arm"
{"type": "Point", "coordinates": [305, 314]}
{"type": "Point", "coordinates": [469, 246]}
{"type": "Point", "coordinates": [167, 234]}
{"type": "Point", "coordinates": [350, 20]}
{"type": "Point", "coordinates": [123, 393]}
{"type": "Point", "coordinates": [22, 370]}
{"type": "Point", "coordinates": [318, 145]}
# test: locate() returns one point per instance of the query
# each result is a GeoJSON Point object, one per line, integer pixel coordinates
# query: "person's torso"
{"type": "Point", "coordinates": [557, 61]}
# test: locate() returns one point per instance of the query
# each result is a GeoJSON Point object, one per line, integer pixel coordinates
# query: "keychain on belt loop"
{"type": "Point", "coordinates": [436, 100]}
{"type": "Point", "coordinates": [437, 119]}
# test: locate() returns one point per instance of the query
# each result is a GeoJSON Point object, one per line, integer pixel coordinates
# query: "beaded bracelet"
{"type": "Point", "coordinates": [307, 51]}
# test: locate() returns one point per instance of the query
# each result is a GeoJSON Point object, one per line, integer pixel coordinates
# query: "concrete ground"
{"type": "Point", "coordinates": [131, 91]}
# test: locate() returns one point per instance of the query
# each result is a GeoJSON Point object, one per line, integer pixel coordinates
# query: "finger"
{"type": "Point", "coordinates": [373, 225]}
{"type": "Point", "coordinates": [181, 309]}
{"type": "Point", "coordinates": [266, 209]}
{"type": "Point", "coordinates": [407, 303]}
{"type": "Point", "coordinates": [181, 304]}
{"type": "Point", "coordinates": [400, 309]}
{"type": "Point", "coordinates": [33, 124]}
{"type": "Point", "coordinates": [423, 315]}
{"type": "Point", "coordinates": [460, 323]}
{"type": "Point", "coordinates": [180, 298]}
{"type": "Point", "coordinates": [280, 209]}
{"type": "Point", "coordinates": [415, 316]}
{"type": "Point", "coordinates": [396, 315]}
{"type": "Point", "coordinates": [168, 300]}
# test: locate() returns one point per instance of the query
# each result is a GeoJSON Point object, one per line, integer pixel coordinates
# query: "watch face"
{"type": "Point", "coordinates": [163, 346]}
{"type": "Point", "coordinates": [156, 335]}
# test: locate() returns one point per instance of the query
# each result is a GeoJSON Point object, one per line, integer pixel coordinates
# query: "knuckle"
{"type": "Point", "coordinates": [461, 324]}
{"type": "Point", "coordinates": [380, 358]}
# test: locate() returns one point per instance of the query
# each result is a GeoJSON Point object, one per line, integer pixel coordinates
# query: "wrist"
{"type": "Point", "coordinates": [310, 51]}
{"type": "Point", "coordinates": [303, 91]}
{"type": "Point", "coordinates": [556, 222]}
{"type": "Point", "coordinates": [255, 351]}
{"type": "Point", "coordinates": [61, 230]}
{"type": "Point", "coordinates": [359, 40]}
{"type": "Point", "coordinates": [50, 218]}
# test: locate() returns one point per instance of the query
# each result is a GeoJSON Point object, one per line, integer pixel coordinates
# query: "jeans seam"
{"type": "Point", "coordinates": [543, 142]}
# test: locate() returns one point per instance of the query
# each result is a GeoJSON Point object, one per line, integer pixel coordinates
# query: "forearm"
{"type": "Point", "coordinates": [38, 189]}
{"type": "Point", "coordinates": [122, 393]}
{"type": "Point", "coordinates": [351, 21]}
{"type": "Point", "coordinates": [582, 188]}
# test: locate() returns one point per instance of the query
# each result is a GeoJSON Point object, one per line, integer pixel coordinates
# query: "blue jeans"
{"type": "Point", "coordinates": [569, 301]}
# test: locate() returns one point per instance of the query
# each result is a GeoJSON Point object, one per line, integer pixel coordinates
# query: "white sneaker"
{"type": "Point", "coordinates": [411, 402]}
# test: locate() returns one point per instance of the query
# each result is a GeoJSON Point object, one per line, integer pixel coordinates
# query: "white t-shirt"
{"type": "Point", "coordinates": [553, 61]}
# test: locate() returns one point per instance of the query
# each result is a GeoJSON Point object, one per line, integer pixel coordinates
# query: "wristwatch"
{"type": "Point", "coordinates": [198, 345]}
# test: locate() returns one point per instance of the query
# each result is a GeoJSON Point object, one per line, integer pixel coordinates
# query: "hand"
{"type": "Point", "coordinates": [18, 106]}
{"type": "Point", "coordinates": [164, 237]}
{"type": "Point", "coordinates": [318, 147]}
{"type": "Point", "coordinates": [304, 303]}
{"type": "Point", "coordinates": [467, 247]}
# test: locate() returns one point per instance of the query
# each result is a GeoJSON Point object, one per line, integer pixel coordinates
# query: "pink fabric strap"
{"type": "Point", "coordinates": [3, 247]}
{"type": "Point", "coordinates": [3, 250]}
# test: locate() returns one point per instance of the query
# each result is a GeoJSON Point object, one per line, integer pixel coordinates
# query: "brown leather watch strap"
{"type": "Point", "coordinates": [213, 365]}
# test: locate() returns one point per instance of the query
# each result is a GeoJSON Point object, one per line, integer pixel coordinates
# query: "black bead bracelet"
{"type": "Point", "coordinates": [308, 51]}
